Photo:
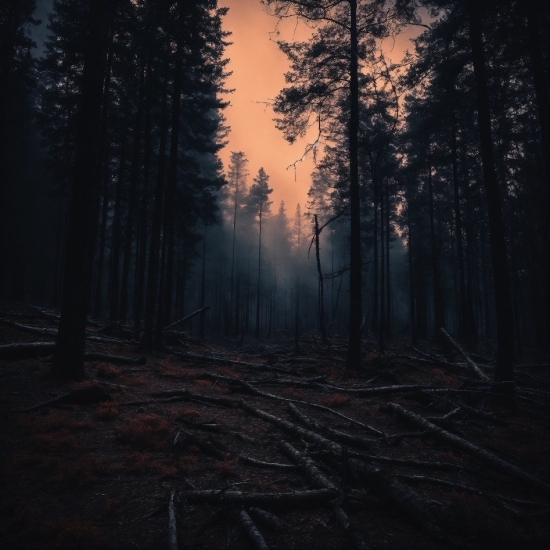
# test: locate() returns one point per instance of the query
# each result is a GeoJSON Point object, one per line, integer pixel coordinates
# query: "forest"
{"type": "Point", "coordinates": [186, 362]}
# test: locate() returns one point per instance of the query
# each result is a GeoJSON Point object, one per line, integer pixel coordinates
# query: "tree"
{"type": "Point", "coordinates": [237, 175]}
{"type": "Point", "coordinates": [324, 76]}
{"type": "Point", "coordinates": [69, 349]}
{"type": "Point", "coordinates": [258, 205]}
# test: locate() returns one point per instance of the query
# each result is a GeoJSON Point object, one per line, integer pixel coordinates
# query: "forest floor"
{"type": "Point", "coordinates": [251, 445]}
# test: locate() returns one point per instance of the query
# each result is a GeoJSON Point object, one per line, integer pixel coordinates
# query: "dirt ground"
{"type": "Point", "coordinates": [98, 471]}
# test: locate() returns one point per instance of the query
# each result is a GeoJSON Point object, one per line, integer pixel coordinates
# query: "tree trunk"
{"type": "Point", "coordinates": [257, 330]}
{"type": "Point", "coordinates": [321, 303]}
{"type": "Point", "coordinates": [171, 180]}
{"type": "Point", "coordinates": [132, 189]}
{"type": "Point", "coordinates": [388, 287]}
{"type": "Point", "coordinates": [463, 308]}
{"type": "Point", "coordinates": [203, 285]}
{"type": "Point", "coordinates": [68, 361]}
{"type": "Point", "coordinates": [504, 375]}
{"type": "Point", "coordinates": [439, 307]}
{"type": "Point", "coordinates": [375, 253]}
{"type": "Point", "coordinates": [154, 245]}
{"type": "Point", "coordinates": [353, 361]}
{"type": "Point", "coordinates": [142, 232]}
{"type": "Point", "coordinates": [382, 325]}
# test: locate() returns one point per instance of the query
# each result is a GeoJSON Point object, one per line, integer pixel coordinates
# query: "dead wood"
{"type": "Point", "coordinates": [89, 395]}
{"type": "Point", "coordinates": [296, 498]}
{"type": "Point", "coordinates": [266, 518]}
{"type": "Point", "coordinates": [115, 359]}
{"type": "Point", "coordinates": [481, 454]}
{"type": "Point", "coordinates": [484, 415]}
{"type": "Point", "coordinates": [29, 329]}
{"type": "Point", "coordinates": [25, 351]}
{"type": "Point", "coordinates": [187, 318]}
{"type": "Point", "coordinates": [402, 498]}
{"type": "Point", "coordinates": [289, 427]}
{"type": "Point", "coordinates": [172, 528]}
{"type": "Point", "coordinates": [318, 479]}
{"type": "Point", "coordinates": [479, 373]}
{"type": "Point", "coordinates": [252, 531]}
{"type": "Point", "coordinates": [335, 435]}
{"type": "Point", "coordinates": [186, 395]}
{"type": "Point", "coordinates": [262, 464]}
{"type": "Point", "coordinates": [488, 494]}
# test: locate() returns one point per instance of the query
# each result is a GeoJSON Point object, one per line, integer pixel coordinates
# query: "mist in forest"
{"type": "Point", "coordinates": [427, 176]}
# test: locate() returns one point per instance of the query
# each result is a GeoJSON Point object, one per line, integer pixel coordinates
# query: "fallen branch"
{"type": "Point", "coordinates": [252, 531]}
{"type": "Point", "coordinates": [115, 359]}
{"type": "Point", "coordinates": [187, 318]}
{"type": "Point", "coordinates": [172, 528]}
{"type": "Point", "coordinates": [335, 435]}
{"type": "Point", "coordinates": [488, 494]}
{"type": "Point", "coordinates": [481, 454]}
{"type": "Point", "coordinates": [297, 498]}
{"type": "Point", "coordinates": [262, 464]}
{"type": "Point", "coordinates": [29, 329]}
{"type": "Point", "coordinates": [470, 363]}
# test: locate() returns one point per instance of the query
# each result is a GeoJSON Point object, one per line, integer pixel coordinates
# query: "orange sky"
{"type": "Point", "coordinates": [258, 74]}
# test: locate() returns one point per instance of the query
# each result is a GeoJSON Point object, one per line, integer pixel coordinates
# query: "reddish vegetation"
{"type": "Point", "coordinates": [93, 472]}
{"type": "Point", "coordinates": [336, 401]}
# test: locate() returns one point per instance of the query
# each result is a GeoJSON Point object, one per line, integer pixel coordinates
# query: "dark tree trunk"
{"type": "Point", "coordinates": [412, 298]}
{"type": "Point", "coordinates": [375, 253]}
{"type": "Point", "coordinates": [203, 284]}
{"type": "Point", "coordinates": [68, 361]}
{"type": "Point", "coordinates": [171, 179]}
{"type": "Point", "coordinates": [321, 303]}
{"type": "Point", "coordinates": [353, 361]}
{"type": "Point", "coordinates": [132, 190]}
{"type": "Point", "coordinates": [388, 287]}
{"type": "Point", "coordinates": [142, 232]}
{"type": "Point", "coordinates": [382, 325]}
{"type": "Point", "coordinates": [439, 307]}
{"type": "Point", "coordinates": [257, 330]}
{"type": "Point", "coordinates": [115, 237]}
{"type": "Point", "coordinates": [504, 375]}
{"type": "Point", "coordinates": [104, 160]}
{"type": "Point", "coordinates": [297, 317]}
{"type": "Point", "coordinates": [463, 306]}
{"type": "Point", "coordinates": [156, 224]}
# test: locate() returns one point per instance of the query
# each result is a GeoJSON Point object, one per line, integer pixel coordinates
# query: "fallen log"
{"type": "Point", "coordinates": [313, 405]}
{"type": "Point", "coordinates": [481, 454]}
{"type": "Point", "coordinates": [115, 359]}
{"type": "Point", "coordinates": [318, 479]}
{"type": "Point", "coordinates": [459, 486]}
{"type": "Point", "coordinates": [480, 374]}
{"type": "Point", "coordinates": [172, 527]}
{"type": "Point", "coordinates": [252, 531]}
{"type": "Point", "coordinates": [262, 464]}
{"type": "Point", "coordinates": [187, 318]}
{"type": "Point", "coordinates": [335, 435]}
{"type": "Point", "coordinates": [207, 445]}
{"type": "Point", "coordinates": [29, 329]}
{"type": "Point", "coordinates": [297, 498]}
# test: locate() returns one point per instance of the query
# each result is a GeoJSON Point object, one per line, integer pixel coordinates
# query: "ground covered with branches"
{"type": "Point", "coordinates": [220, 446]}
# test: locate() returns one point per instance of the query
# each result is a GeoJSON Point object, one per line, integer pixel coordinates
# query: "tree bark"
{"type": "Point", "coordinates": [355, 308]}
{"type": "Point", "coordinates": [69, 351]}
{"type": "Point", "coordinates": [504, 376]}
